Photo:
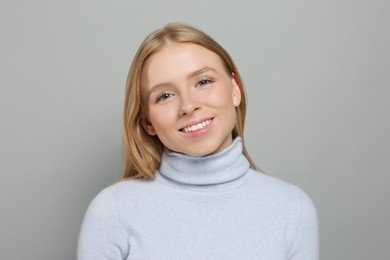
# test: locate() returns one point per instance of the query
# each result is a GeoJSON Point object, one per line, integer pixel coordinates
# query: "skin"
{"type": "Point", "coordinates": [185, 84]}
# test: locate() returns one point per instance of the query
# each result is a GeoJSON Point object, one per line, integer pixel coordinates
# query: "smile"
{"type": "Point", "coordinates": [195, 127]}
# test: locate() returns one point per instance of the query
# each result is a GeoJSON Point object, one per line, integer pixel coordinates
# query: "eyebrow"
{"type": "Point", "coordinates": [189, 76]}
{"type": "Point", "coordinates": [199, 72]}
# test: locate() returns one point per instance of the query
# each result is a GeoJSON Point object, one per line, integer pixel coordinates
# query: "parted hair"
{"type": "Point", "coordinates": [142, 152]}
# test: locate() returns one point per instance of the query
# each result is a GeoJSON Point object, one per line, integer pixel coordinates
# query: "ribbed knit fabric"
{"type": "Point", "coordinates": [212, 207]}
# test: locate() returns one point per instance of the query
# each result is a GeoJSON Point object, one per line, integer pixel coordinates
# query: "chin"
{"type": "Point", "coordinates": [201, 152]}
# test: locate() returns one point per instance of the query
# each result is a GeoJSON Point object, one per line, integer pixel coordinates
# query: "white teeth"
{"type": "Point", "coordinates": [197, 126]}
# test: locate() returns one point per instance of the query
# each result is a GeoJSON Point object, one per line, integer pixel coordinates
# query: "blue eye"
{"type": "Point", "coordinates": [204, 82]}
{"type": "Point", "coordinates": [164, 97]}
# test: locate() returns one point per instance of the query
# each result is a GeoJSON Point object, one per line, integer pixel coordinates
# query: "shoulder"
{"type": "Point", "coordinates": [101, 234]}
{"type": "Point", "coordinates": [125, 186]}
{"type": "Point", "coordinates": [126, 192]}
{"type": "Point", "coordinates": [102, 224]}
{"type": "Point", "coordinates": [280, 193]}
{"type": "Point", "coordinates": [273, 184]}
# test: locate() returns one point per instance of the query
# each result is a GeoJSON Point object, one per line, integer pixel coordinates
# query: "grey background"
{"type": "Point", "coordinates": [317, 77]}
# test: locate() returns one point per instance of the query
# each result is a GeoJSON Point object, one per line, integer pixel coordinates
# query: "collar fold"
{"type": "Point", "coordinates": [226, 166]}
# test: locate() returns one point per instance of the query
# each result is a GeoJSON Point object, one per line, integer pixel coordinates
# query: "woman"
{"type": "Point", "coordinates": [190, 189]}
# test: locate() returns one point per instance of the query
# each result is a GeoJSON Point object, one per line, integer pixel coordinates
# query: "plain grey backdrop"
{"type": "Point", "coordinates": [317, 77]}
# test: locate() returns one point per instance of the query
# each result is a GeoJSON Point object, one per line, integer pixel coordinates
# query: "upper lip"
{"type": "Point", "coordinates": [195, 122]}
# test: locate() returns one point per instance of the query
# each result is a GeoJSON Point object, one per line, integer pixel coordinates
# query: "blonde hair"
{"type": "Point", "coordinates": [143, 152]}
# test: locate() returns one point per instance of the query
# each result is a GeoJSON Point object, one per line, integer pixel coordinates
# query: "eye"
{"type": "Point", "coordinates": [204, 82]}
{"type": "Point", "coordinates": [164, 96]}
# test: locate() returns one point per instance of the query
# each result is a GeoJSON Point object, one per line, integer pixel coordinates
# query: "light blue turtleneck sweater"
{"type": "Point", "coordinates": [212, 207]}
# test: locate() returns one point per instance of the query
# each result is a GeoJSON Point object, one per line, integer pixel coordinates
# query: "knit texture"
{"type": "Point", "coordinates": [212, 207]}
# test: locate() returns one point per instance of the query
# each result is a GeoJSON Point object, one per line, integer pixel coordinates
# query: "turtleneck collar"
{"type": "Point", "coordinates": [223, 167]}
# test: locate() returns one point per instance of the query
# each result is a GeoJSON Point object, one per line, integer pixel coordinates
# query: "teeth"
{"type": "Point", "coordinates": [197, 126]}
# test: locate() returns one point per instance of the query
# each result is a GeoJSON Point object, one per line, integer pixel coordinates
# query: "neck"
{"type": "Point", "coordinates": [225, 166]}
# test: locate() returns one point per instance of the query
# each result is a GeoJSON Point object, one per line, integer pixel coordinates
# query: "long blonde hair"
{"type": "Point", "coordinates": [143, 152]}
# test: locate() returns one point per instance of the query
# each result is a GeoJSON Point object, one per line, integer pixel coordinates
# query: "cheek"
{"type": "Point", "coordinates": [162, 117]}
{"type": "Point", "coordinates": [221, 98]}
{"type": "Point", "coordinates": [156, 120]}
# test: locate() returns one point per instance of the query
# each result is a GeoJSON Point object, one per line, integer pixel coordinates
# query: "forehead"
{"type": "Point", "coordinates": [177, 60]}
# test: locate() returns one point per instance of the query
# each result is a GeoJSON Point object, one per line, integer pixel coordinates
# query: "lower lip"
{"type": "Point", "coordinates": [199, 132]}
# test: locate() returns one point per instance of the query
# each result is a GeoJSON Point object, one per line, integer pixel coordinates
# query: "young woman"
{"type": "Point", "coordinates": [190, 189]}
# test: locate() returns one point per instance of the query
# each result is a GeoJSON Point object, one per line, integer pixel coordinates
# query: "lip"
{"type": "Point", "coordinates": [195, 122]}
{"type": "Point", "coordinates": [199, 132]}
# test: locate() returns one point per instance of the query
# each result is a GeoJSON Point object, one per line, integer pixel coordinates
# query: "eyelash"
{"type": "Point", "coordinates": [204, 82]}
{"type": "Point", "coordinates": [163, 97]}
{"type": "Point", "coordinates": [167, 95]}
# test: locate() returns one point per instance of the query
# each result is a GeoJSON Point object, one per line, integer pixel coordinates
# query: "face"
{"type": "Point", "coordinates": [190, 99]}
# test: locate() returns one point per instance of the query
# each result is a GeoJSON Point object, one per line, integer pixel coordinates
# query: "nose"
{"type": "Point", "coordinates": [188, 104]}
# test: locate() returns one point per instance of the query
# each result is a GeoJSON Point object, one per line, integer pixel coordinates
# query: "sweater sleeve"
{"type": "Point", "coordinates": [100, 235]}
{"type": "Point", "coordinates": [305, 241]}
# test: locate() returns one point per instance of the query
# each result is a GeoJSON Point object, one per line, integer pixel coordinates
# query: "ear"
{"type": "Point", "coordinates": [236, 93]}
{"type": "Point", "coordinates": [148, 126]}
